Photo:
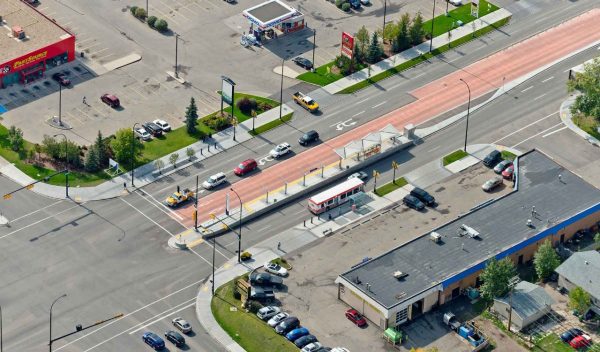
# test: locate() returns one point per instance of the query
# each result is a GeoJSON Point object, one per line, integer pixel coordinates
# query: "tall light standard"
{"type": "Point", "coordinates": [281, 89]}
{"type": "Point", "coordinates": [314, 47]}
{"type": "Point", "coordinates": [176, 42]}
{"type": "Point", "coordinates": [384, 13]}
{"type": "Point", "coordinates": [432, 21]}
{"type": "Point", "coordinates": [1, 329]}
{"type": "Point", "coordinates": [51, 306]}
{"type": "Point", "coordinates": [468, 111]}
{"type": "Point", "coordinates": [133, 151]}
{"type": "Point", "coordinates": [240, 225]}
{"type": "Point", "coordinates": [66, 164]}
{"type": "Point", "coordinates": [59, 104]}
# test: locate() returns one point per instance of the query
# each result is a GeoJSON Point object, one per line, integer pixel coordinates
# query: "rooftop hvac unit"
{"type": "Point", "coordinates": [435, 237]}
{"type": "Point", "coordinates": [469, 231]}
{"type": "Point", "coordinates": [400, 275]}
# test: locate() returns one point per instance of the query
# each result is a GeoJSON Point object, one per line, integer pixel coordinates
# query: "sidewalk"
{"type": "Point", "coordinates": [417, 51]}
{"type": "Point", "coordinates": [303, 234]}
{"type": "Point", "coordinates": [567, 119]}
{"type": "Point", "coordinates": [147, 173]}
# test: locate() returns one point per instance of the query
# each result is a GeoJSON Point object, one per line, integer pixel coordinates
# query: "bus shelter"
{"type": "Point", "coordinates": [272, 18]}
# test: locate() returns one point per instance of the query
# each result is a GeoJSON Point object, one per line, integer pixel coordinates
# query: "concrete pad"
{"type": "Point", "coordinates": [124, 61]}
{"type": "Point", "coordinates": [462, 164]}
{"type": "Point", "coordinates": [428, 174]}
{"type": "Point", "coordinates": [288, 72]}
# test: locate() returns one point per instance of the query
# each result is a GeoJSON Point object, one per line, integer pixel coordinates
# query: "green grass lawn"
{"type": "Point", "coordinates": [454, 156]}
{"type": "Point", "coordinates": [390, 187]}
{"type": "Point", "coordinates": [508, 155]}
{"type": "Point", "coordinates": [271, 125]}
{"type": "Point", "coordinates": [282, 262]}
{"type": "Point", "coordinates": [243, 117]}
{"type": "Point", "coordinates": [322, 75]}
{"type": "Point", "coordinates": [588, 124]}
{"type": "Point", "coordinates": [444, 23]}
{"type": "Point", "coordinates": [551, 343]}
{"type": "Point", "coordinates": [246, 329]}
{"type": "Point", "coordinates": [170, 142]}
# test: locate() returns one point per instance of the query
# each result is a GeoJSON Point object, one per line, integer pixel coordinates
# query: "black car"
{"type": "Point", "coordinates": [288, 324]}
{"type": "Point", "coordinates": [492, 158]}
{"type": "Point", "coordinates": [308, 137]}
{"type": "Point", "coordinates": [61, 78]}
{"type": "Point", "coordinates": [175, 338]}
{"type": "Point", "coordinates": [305, 340]}
{"type": "Point", "coordinates": [303, 62]}
{"type": "Point", "coordinates": [265, 279]}
{"type": "Point", "coordinates": [570, 334]}
{"type": "Point", "coordinates": [413, 202]}
{"type": "Point", "coordinates": [423, 196]}
{"type": "Point", "coordinates": [154, 129]}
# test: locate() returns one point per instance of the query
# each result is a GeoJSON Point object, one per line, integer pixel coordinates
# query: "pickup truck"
{"type": "Point", "coordinates": [305, 101]}
{"type": "Point", "coordinates": [179, 197]}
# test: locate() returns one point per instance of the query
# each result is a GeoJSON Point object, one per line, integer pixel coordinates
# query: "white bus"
{"type": "Point", "coordinates": [335, 196]}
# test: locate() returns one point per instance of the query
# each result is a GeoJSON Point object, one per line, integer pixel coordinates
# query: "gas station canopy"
{"type": "Point", "coordinates": [270, 14]}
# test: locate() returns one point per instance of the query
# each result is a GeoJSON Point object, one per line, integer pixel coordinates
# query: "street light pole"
{"type": "Point", "coordinates": [59, 104]}
{"type": "Point", "coordinates": [213, 266]}
{"type": "Point", "coordinates": [66, 164]}
{"type": "Point", "coordinates": [240, 226]}
{"type": "Point", "coordinates": [431, 34]}
{"type": "Point", "coordinates": [314, 47]}
{"type": "Point", "coordinates": [468, 111]}
{"type": "Point", "coordinates": [281, 89]}
{"type": "Point", "coordinates": [176, 42]}
{"type": "Point", "coordinates": [51, 306]}
{"type": "Point", "coordinates": [146, 8]}
{"type": "Point", "coordinates": [1, 349]}
{"type": "Point", "coordinates": [384, 13]}
{"type": "Point", "coordinates": [196, 207]}
{"type": "Point", "coordinates": [133, 151]}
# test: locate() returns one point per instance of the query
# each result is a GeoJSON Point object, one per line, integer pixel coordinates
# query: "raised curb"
{"type": "Point", "coordinates": [567, 119]}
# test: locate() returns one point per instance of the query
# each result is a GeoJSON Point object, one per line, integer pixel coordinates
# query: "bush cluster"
{"type": "Point", "coordinates": [246, 105]}
{"type": "Point", "coordinates": [152, 21]}
{"type": "Point", "coordinates": [217, 122]}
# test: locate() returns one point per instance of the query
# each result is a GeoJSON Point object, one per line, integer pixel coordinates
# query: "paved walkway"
{"type": "Point", "coordinates": [567, 119]}
{"type": "Point", "coordinates": [305, 233]}
{"type": "Point", "coordinates": [146, 174]}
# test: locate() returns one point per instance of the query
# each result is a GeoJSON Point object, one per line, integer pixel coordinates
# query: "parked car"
{"type": "Point", "coordinates": [273, 322]}
{"type": "Point", "coordinates": [296, 334]}
{"type": "Point", "coordinates": [275, 269]}
{"type": "Point", "coordinates": [305, 340]}
{"type": "Point", "coordinates": [262, 294]}
{"type": "Point", "coordinates": [581, 341]}
{"type": "Point", "coordinates": [265, 313]}
{"type": "Point", "coordinates": [153, 129]}
{"type": "Point", "coordinates": [313, 347]}
{"type": "Point", "coordinates": [492, 183]}
{"type": "Point", "coordinates": [153, 340]}
{"type": "Point", "coordinates": [288, 324]}
{"type": "Point", "coordinates": [355, 4]}
{"type": "Point", "coordinates": [340, 349]}
{"type": "Point", "coordinates": [245, 167]}
{"type": "Point", "coordinates": [303, 62]}
{"type": "Point", "coordinates": [501, 166]}
{"type": "Point", "coordinates": [354, 316]}
{"type": "Point", "coordinates": [360, 175]}
{"type": "Point", "coordinates": [455, 2]}
{"type": "Point", "coordinates": [175, 338]}
{"type": "Point", "coordinates": [508, 172]}
{"type": "Point", "coordinates": [492, 158]}
{"type": "Point", "coordinates": [365, 2]}
{"type": "Point", "coordinates": [214, 181]}
{"type": "Point", "coordinates": [61, 78]}
{"type": "Point", "coordinates": [280, 150]}
{"type": "Point", "coordinates": [265, 279]}
{"type": "Point", "coordinates": [142, 134]}
{"type": "Point", "coordinates": [413, 202]}
{"type": "Point", "coordinates": [111, 100]}
{"type": "Point", "coordinates": [182, 325]}
{"type": "Point", "coordinates": [423, 196]}
{"type": "Point", "coordinates": [164, 125]}
{"type": "Point", "coordinates": [308, 137]}
{"type": "Point", "coordinates": [570, 334]}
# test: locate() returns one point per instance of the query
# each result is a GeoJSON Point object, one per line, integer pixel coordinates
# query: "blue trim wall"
{"type": "Point", "coordinates": [519, 246]}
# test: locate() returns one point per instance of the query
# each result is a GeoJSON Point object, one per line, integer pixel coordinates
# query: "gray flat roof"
{"type": "Point", "coordinates": [502, 229]}
{"type": "Point", "coordinates": [269, 11]}
{"type": "Point", "coordinates": [40, 30]}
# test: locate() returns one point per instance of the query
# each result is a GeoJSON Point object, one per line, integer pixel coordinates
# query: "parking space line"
{"type": "Point", "coordinates": [104, 56]}
{"type": "Point", "coordinates": [91, 46]}
{"type": "Point", "coordinates": [134, 90]}
{"type": "Point", "coordinates": [553, 132]}
{"type": "Point", "coordinates": [174, 11]}
{"type": "Point", "coordinates": [80, 42]}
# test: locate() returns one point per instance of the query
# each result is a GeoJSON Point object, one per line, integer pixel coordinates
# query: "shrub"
{"type": "Point", "coordinates": [246, 256]}
{"type": "Point", "coordinates": [217, 122]}
{"type": "Point", "coordinates": [140, 13]}
{"type": "Point", "coordinates": [254, 306]}
{"type": "Point", "coordinates": [346, 7]}
{"type": "Point", "coordinates": [151, 21]}
{"type": "Point", "coordinates": [246, 105]}
{"type": "Point", "coordinates": [132, 9]}
{"type": "Point", "coordinates": [161, 25]}
{"type": "Point", "coordinates": [264, 106]}
{"type": "Point", "coordinates": [339, 3]}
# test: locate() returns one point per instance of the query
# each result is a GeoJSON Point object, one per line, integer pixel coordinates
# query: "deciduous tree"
{"type": "Point", "coordinates": [545, 260]}
{"type": "Point", "coordinates": [496, 276]}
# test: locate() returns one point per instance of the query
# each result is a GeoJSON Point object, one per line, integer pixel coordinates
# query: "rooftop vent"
{"type": "Point", "coordinates": [435, 237]}
{"type": "Point", "coordinates": [468, 231]}
{"type": "Point", "coordinates": [400, 275]}
{"type": "Point", "coordinates": [401, 295]}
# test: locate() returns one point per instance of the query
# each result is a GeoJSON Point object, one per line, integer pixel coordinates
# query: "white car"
{"type": "Point", "coordinates": [214, 180]}
{"type": "Point", "coordinates": [280, 150]}
{"type": "Point", "coordinates": [265, 313]}
{"type": "Point", "coordinates": [273, 322]}
{"type": "Point", "coordinates": [182, 325]}
{"type": "Point", "coordinates": [360, 175]}
{"type": "Point", "coordinates": [455, 2]}
{"type": "Point", "coordinates": [164, 125]}
{"type": "Point", "coordinates": [312, 347]}
{"type": "Point", "coordinates": [365, 2]}
{"type": "Point", "coordinates": [340, 349]}
{"type": "Point", "coordinates": [143, 134]}
{"type": "Point", "coordinates": [275, 269]}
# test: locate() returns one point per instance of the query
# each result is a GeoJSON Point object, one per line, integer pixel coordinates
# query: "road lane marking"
{"type": "Point", "coordinates": [537, 134]}
{"type": "Point", "coordinates": [526, 89]}
{"type": "Point", "coordinates": [547, 79]}
{"type": "Point", "coordinates": [33, 212]}
{"type": "Point", "coordinates": [360, 102]}
{"type": "Point", "coordinates": [378, 105]}
{"type": "Point", "coordinates": [540, 97]}
{"type": "Point", "coordinates": [161, 204]}
{"type": "Point", "coordinates": [37, 222]}
{"type": "Point", "coordinates": [553, 132]}
{"type": "Point", "coordinates": [524, 127]}
{"type": "Point", "coordinates": [164, 314]}
{"type": "Point", "coordinates": [358, 113]}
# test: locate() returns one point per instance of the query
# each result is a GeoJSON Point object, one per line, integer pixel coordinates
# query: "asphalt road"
{"type": "Point", "coordinates": [111, 256]}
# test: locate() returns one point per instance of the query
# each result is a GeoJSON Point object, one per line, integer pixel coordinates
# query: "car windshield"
{"type": "Point", "coordinates": [212, 179]}
{"type": "Point", "coordinates": [241, 166]}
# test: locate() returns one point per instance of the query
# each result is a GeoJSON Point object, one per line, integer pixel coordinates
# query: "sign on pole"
{"type": "Point", "coordinates": [227, 90]}
{"type": "Point", "coordinates": [475, 8]}
{"type": "Point", "coordinates": [347, 45]}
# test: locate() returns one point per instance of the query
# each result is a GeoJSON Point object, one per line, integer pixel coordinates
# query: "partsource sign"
{"type": "Point", "coordinates": [347, 45]}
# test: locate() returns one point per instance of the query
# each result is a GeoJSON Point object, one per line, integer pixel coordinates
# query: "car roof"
{"type": "Point", "coordinates": [218, 174]}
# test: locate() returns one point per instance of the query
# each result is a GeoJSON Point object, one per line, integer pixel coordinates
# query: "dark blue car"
{"type": "Point", "coordinates": [296, 334]}
{"type": "Point", "coordinates": [153, 340]}
{"type": "Point", "coordinates": [570, 334]}
{"type": "Point", "coordinates": [305, 340]}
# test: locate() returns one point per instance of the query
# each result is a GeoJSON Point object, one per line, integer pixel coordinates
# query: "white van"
{"type": "Point", "coordinates": [214, 180]}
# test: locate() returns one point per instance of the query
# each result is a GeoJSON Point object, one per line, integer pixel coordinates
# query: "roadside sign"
{"type": "Point", "coordinates": [375, 173]}
{"type": "Point", "coordinates": [394, 165]}
{"type": "Point", "coordinates": [347, 45]}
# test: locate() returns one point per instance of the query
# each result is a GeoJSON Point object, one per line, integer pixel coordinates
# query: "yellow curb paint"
{"type": "Point", "coordinates": [205, 288]}
{"type": "Point", "coordinates": [226, 266]}
{"type": "Point", "coordinates": [195, 243]}
{"type": "Point", "coordinates": [186, 233]}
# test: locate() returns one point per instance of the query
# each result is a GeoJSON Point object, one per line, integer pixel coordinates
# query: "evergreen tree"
{"type": "Point", "coordinates": [92, 163]}
{"type": "Point", "coordinates": [191, 117]}
{"type": "Point", "coordinates": [375, 51]}
{"type": "Point", "coordinates": [101, 152]}
{"type": "Point", "coordinates": [416, 30]}
{"type": "Point", "coordinates": [403, 36]}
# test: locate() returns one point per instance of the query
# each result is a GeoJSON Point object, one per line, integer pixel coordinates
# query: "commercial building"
{"type": "Point", "coordinates": [530, 302]}
{"type": "Point", "coordinates": [273, 17]}
{"type": "Point", "coordinates": [582, 269]}
{"type": "Point", "coordinates": [548, 202]}
{"type": "Point", "coordinates": [30, 43]}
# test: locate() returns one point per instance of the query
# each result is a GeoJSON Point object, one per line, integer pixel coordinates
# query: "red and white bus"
{"type": "Point", "coordinates": [335, 196]}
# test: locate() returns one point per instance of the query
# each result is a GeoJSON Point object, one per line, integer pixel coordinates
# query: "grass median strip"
{"type": "Point", "coordinates": [271, 125]}
{"type": "Point", "coordinates": [390, 187]}
{"type": "Point", "coordinates": [508, 155]}
{"type": "Point", "coordinates": [244, 328]}
{"type": "Point", "coordinates": [454, 156]}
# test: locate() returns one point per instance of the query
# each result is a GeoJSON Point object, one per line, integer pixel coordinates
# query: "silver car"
{"type": "Point", "coordinates": [182, 325]}
{"type": "Point", "coordinates": [492, 183]}
{"type": "Point", "coordinates": [273, 322]}
{"type": "Point", "coordinates": [266, 313]}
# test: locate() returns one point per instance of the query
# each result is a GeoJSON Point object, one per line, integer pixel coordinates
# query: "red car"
{"type": "Point", "coordinates": [581, 341]}
{"type": "Point", "coordinates": [111, 100]}
{"type": "Point", "coordinates": [355, 317]}
{"type": "Point", "coordinates": [508, 172]}
{"type": "Point", "coordinates": [245, 167]}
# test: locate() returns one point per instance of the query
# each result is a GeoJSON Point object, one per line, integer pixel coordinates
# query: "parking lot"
{"type": "Point", "coordinates": [317, 265]}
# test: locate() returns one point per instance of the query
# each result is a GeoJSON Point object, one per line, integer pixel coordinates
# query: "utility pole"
{"type": "Point", "coordinates": [511, 284]}
{"type": "Point", "coordinates": [176, 42]}
{"type": "Point", "coordinates": [133, 151]}
{"type": "Point", "coordinates": [196, 207]}
{"type": "Point", "coordinates": [314, 47]}
{"type": "Point", "coordinates": [146, 8]}
{"type": "Point", "coordinates": [468, 111]}
{"type": "Point", "coordinates": [281, 90]}
{"type": "Point", "coordinates": [432, 22]}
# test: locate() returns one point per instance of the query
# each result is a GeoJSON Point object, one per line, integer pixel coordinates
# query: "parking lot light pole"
{"type": "Point", "coordinates": [281, 90]}
{"type": "Point", "coordinates": [51, 306]}
{"type": "Point", "coordinates": [59, 104]}
{"type": "Point", "coordinates": [468, 111]}
{"type": "Point", "coordinates": [314, 47]}
{"type": "Point", "coordinates": [1, 349]}
{"type": "Point", "coordinates": [66, 164]}
{"type": "Point", "coordinates": [133, 151]}
{"type": "Point", "coordinates": [384, 13]}
{"type": "Point", "coordinates": [240, 226]}
{"type": "Point", "coordinates": [431, 34]}
{"type": "Point", "coordinates": [176, 42]}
